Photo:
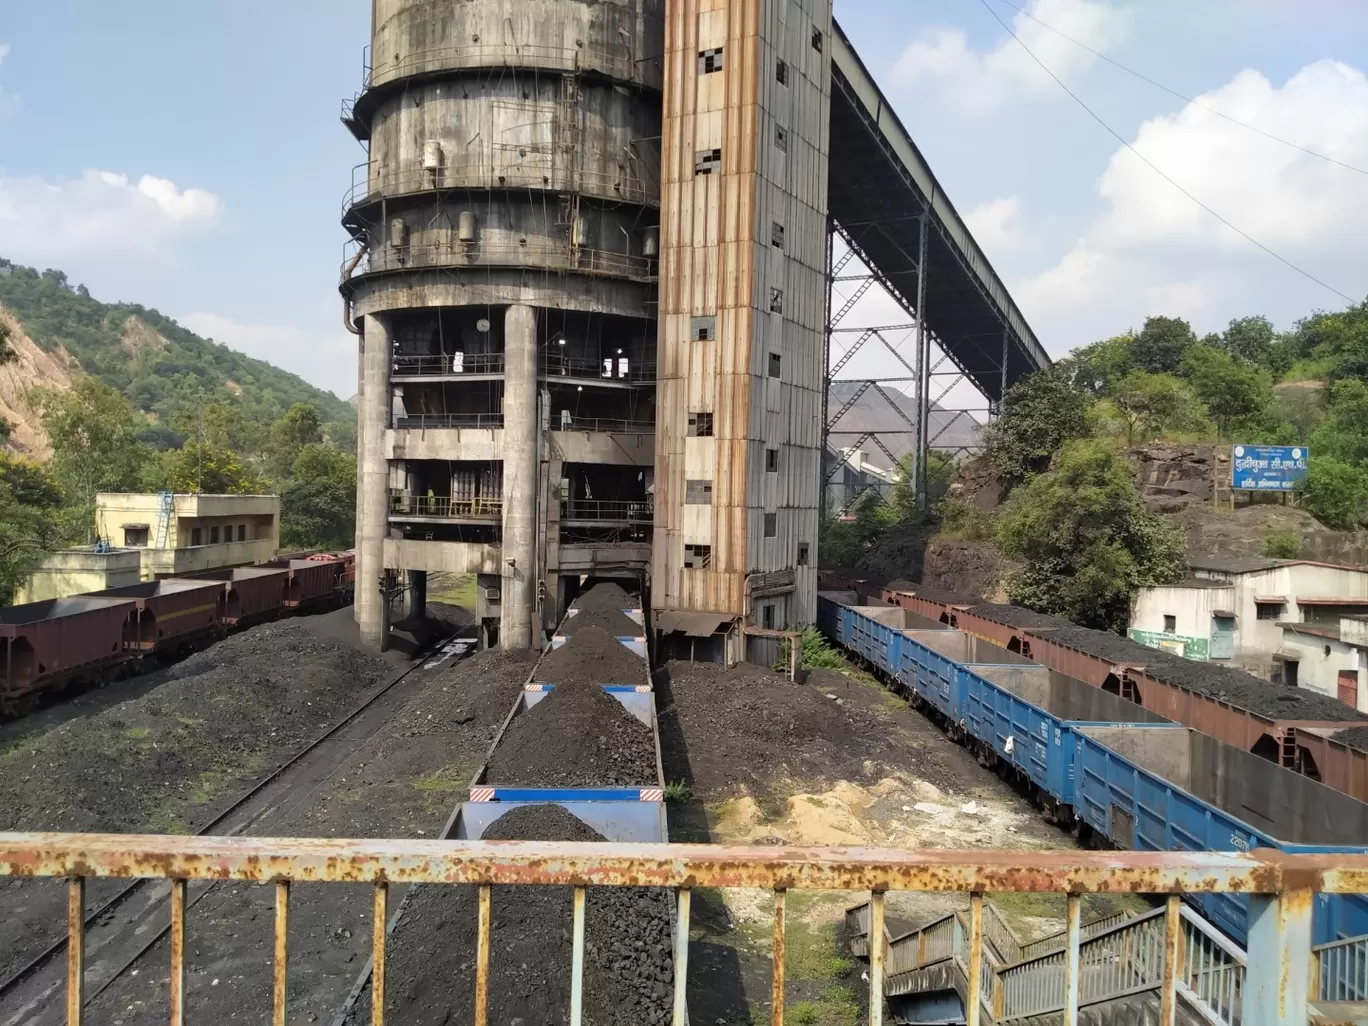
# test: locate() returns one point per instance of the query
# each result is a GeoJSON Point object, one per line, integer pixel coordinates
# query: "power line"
{"type": "Point", "coordinates": [1174, 92]}
{"type": "Point", "coordinates": [1154, 167]}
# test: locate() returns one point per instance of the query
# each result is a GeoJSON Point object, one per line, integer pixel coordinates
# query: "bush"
{"type": "Point", "coordinates": [1282, 545]}
{"type": "Point", "coordinates": [818, 652]}
{"type": "Point", "coordinates": [960, 518]}
{"type": "Point", "coordinates": [1336, 492]}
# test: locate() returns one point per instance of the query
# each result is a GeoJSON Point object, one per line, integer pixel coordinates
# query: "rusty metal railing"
{"type": "Point", "coordinates": [1282, 890]}
{"type": "Point", "coordinates": [1055, 941]}
{"type": "Point", "coordinates": [1342, 969]}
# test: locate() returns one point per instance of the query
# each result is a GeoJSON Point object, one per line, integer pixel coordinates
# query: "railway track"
{"type": "Point", "coordinates": [128, 923]}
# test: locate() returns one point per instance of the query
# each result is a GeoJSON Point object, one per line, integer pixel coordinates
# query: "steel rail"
{"type": "Point", "coordinates": [46, 956]}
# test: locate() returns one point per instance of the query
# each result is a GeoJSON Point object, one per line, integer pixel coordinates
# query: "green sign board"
{"type": "Point", "coordinates": [1179, 644]}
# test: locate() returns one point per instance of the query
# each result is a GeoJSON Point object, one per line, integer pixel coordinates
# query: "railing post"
{"type": "Point", "coordinates": [1173, 958]}
{"type": "Point", "coordinates": [1279, 958]}
{"type": "Point", "coordinates": [75, 949]}
{"type": "Point", "coordinates": [681, 959]}
{"type": "Point", "coordinates": [876, 957]}
{"type": "Point", "coordinates": [1073, 940]}
{"type": "Point", "coordinates": [971, 1017]}
{"type": "Point", "coordinates": [777, 955]}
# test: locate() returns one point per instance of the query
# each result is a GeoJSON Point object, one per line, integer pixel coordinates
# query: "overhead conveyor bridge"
{"type": "Point", "coordinates": [880, 188]}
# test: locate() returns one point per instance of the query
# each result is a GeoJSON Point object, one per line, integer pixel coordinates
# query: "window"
{"type": "Point", "coordinates": [817, 40]}
{"type": "Point", "coordinates": [767, 616]}
{"type": "Point", "coordinates": [197, 536]}
{"type": "Point", "coordinates": [774, 365]}
{"type": "Point", "coordinates": [1170, 624]}
{"type": "Point", "coordinates": [781, 73]}
{"type": "Point", "coordinates": [802, 553]}
{"type": "Point", "coordinates": [697, 557]}
{"type": "Point", "coordinates": [242, 532]}
{"type": "Point", "coordinates": [703, 329]}
{"type": "Point", "coordinates": [776, 235]}
{"type": "Point", "coordinates": [771, 525]}
{"type": "Point", "coordinates": [710, 60]}
{"type": "Point", "coordinates": [707, 161]}
{"type": "Point", "coordinates": [698, 493]}
{"type": "Point", "coordinates": [135, 536]}
{"type": "Point", "coordinates": [771, 461]}
{"type": "Point", "coordinates": [776, 301]}
{"type": "Point", "coordinates": [700, 425]}
{"type": "Point", "coordinates": [213, 535]}
{"type": "Point", "coordinates": [781, 137]}
{"type": "Point", "coordinates": [1268, 610]}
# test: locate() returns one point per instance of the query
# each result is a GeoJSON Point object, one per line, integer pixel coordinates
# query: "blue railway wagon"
{"type": "Point", "coordinates": [829, 607]}
{"type": "Point", "coordinates": [1176, 789]}
{"type": "Point", "coordinates": [1026, 714]}
{"type": "Point", "coordinates": [932, 662]}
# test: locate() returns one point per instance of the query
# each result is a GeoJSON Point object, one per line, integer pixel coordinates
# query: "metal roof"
{"type": "Point", "coordinates": [879, 186]}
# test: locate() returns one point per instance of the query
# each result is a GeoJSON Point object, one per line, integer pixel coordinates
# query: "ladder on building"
{"type": "Point", "coordinates": [166, 502]}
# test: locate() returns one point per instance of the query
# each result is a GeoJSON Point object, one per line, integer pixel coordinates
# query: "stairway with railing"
{"type": "Point", "coordinates": [1120, 965]}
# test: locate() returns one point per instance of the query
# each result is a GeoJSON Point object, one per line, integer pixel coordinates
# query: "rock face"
{"type": "Point", "coordinates": [32, 368]}
{"type": "Point", "coordinates": [1172, 477]}
{"type": "Point", "coordinates": [1242, 533]}
{"type": "Point", "coordinates": [973, 569]}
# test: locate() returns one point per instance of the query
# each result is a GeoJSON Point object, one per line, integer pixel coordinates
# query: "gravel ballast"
{"type": "Point", "coordinates": [628, 969]}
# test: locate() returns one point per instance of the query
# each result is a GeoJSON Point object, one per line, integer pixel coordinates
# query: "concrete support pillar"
{"type": "Point", "coordinates": [416, 607]}
{"type": "Point", "coordinates": [519, 584]}
{"type": "Point", "coordinates": [373, 482]}
{"type": "Point", "coordinates": [360, 455]}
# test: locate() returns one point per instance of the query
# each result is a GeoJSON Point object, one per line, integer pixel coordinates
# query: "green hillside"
{"type": "Point", "coordinates": [160, 366]}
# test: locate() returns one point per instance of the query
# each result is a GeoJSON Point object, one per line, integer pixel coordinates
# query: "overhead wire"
{"type": "Point", "coordinates": [1155, 168]}
{"type": "Point", "coordinates": [1186, 99]}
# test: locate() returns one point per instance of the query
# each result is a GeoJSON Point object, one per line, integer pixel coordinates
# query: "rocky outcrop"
{"type": "Point", "coordinates": [973, 569]}
{"type": "Point", "coordinates": [1174, 477]}
{"type": "Point", "coordinates": [32, 368]}
{"type": "Point", "coordinates": [1242, 533]}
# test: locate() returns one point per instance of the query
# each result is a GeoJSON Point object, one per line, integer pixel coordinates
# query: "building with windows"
{"type": "Point", "coordinates": [1250, 612]}
{"type": "Point", "coordinates": [147, 536]}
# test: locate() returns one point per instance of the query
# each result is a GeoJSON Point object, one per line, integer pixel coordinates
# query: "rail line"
{"type": "Point", "coordinates": [118, 917]}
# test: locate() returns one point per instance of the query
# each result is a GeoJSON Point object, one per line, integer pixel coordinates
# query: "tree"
{"type": "Point", "coordinates": [940, 468]}
{"type": "Point", "coordinates": [1234, 391]}
{"type": "Point", "coordinates": [1336, 491]}
{"type": "Point", "coordinates": [1161, 344]}
{"type": "Point", "coordinates": [201, 467]}
{"type": "Point", "coordinates": [299, 427]}
{"type": "Point", "coordinates": [318, 506]}
{"type": "Point", "coordinates": [1039, 414]}
{"type": "Point", "coordinates": [1253, 340]}
{"type": "Point", "coordinates": [94, 434]}
{"type": "Point", "coordinates": [7, 353]}
{"type": "Point", "coordinates": [1096, 367]}
{"type": "Point", "coordinates": [30, 524]}
{"type": "Point", "coordinates": [1343, 434]}
{"type": "Point", "coordinates": [1086, 540]}
{"type": "Point", "coordinates": [1150, 402]}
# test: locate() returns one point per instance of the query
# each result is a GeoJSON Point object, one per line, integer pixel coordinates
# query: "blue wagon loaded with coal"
{"type": "Point", "coordinates": [576, 759]}
{"type": "Point", "coordinates": [1118, 772]}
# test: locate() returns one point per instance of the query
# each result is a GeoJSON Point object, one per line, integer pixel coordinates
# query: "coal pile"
{"type": "Point", "coordinates": [604, 597]}
{"type": "Point", "coordinates": [612, 621]}
{"type": "Point", "coordinates": [1355, 737]}
{"type": "Point", "coordinates": [1016, 616]}
{"type": "Point", "coordinates": [577, 736]}
{"type": "Point", "coordinates": [628, 966]}
{"type": "Point", "coordinates": [593, 656]}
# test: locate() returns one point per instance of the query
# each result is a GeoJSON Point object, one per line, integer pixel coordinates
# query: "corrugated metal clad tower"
{"type": "Point", "coordinates": [502, 278]}
{"type": "Point", "coordinates": [742, 308]}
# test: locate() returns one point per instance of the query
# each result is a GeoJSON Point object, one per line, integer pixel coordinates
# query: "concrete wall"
{"type": "Point", "coordinates": [1320, 660]}
{"type": "Point", "coordinates": [1191, 608]}
{"type": "Point", "coordinates": [77, 571]}
{"type": "Point", "coordinates": [761, 373]}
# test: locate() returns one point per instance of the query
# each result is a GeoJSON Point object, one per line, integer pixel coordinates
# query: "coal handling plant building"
{"type": "Point", "coordinates": [589, 272]}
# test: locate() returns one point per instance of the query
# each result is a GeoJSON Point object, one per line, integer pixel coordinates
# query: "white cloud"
{"type": "Point", "coordinates": [998, 227]}
{"type": "Point", "coordinates": [321, 357]}
{"type": "Point", "coordinates": [980, 82]}
{"type": "Point", "coordinates": [1153, 250]}
{"type": "Point", "coordinates": [99, 214]}
{"type": "Point", "coordinates": [9, 102]}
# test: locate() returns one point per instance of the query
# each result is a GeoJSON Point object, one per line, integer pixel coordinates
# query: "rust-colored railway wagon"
{"type": "Point", "coordinates": [45, 643]}
{"type": "Point", "coordinates": [167, 612]}
{"type": "Point", "coordinates": [311, 581]}
{"type": "Point", "coordinates": [249, 593]}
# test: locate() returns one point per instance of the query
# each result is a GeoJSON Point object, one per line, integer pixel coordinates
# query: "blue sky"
{"type": "Point", "coordinates": [188, 155]}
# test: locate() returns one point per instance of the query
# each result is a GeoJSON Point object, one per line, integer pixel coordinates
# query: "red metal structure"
{"type": "Point", "coordinates": [249, 592]}
{"type": "Point", "coordinates": [43, 644]}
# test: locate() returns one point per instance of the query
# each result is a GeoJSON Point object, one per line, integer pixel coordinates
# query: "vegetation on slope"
{"type": "Point", "coordinates": [1073, 515]}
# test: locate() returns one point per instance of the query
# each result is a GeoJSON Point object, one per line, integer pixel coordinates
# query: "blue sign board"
{"type": "Point", "coordinates": [1269, 468]}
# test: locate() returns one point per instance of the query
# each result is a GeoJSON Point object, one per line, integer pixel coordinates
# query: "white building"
{"type": "Point", "coordinates": [1330, 659]}
{"type": "Point", "coordinates": [1234, 611]}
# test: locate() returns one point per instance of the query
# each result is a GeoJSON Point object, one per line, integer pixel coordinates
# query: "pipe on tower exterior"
{"type": "Point", "coordinates": [520, 465]}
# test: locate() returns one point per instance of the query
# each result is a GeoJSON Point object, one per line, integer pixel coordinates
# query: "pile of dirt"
{"type": "Point", "coordinates": [612, 621]}
{"type": "Point", "coordinates": [747, 726]}
{"type": "Point", "coordinates": [628, 968]}
{"type": "Point", "coordinates": [577, 736]}
{"type": "Point", "coordinates": [604, 597]}
{"type": "Point", "coordinates": [593, 656]}
{"type": "Point", "coordinates": [163, 760]}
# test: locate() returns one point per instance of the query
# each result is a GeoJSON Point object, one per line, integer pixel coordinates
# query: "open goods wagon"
{"type": "Point", "coordinates": [249, 593]}
{"type": "Point", "coordinates": [167, 611]}
{"type": "Point", "coordinates": [43, 644]}
{"type": "Point", "coordinates": [1292, 728]}
{"type": "Point", "coordinates": [310, 581]}
{"type": "Point", "coordinates": [1139, 784]}
{"type": "Point", "coordinates": [1175, 789]}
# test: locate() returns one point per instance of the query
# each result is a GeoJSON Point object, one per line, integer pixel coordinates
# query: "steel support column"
{"type": "Point", "coordinates": [826, 357]}
{"type": "Point", "coordinates": [1278, 973]}
{"type": "Point", "coordinates": [923, 372]}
